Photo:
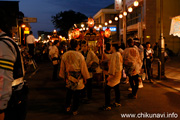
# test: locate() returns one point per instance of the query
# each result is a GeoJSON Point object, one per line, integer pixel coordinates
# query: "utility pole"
{"type": "Point", "coordinates": [124, 23]}
{"type": "Point", "coordinates": [162, 41]}
{"type": "Point", "coordinates": [119, 30]}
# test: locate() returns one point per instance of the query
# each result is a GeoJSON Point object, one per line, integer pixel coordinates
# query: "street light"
{"type": "Point", "coordinates": [23, 25]}
{"type": "Point", "coordinates": [162, 47]}
{"type": "Point", "coordinates": [105, 23]}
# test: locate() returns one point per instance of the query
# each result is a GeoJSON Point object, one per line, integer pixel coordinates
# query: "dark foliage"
{"type": "Point", "coordinates": [65, 20]}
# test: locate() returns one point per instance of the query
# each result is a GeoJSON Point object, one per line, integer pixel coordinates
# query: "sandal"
{"type": "Point", "coordinates": [68, 109]}
{"type": "Point", "coordinates": [116, 104]}
{"type": "Point", "coordinates": [106, 108]}
{"type": "Point", "coordinates": [75, 112]}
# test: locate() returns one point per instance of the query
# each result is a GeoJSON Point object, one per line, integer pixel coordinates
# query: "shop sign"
{"type": "Point", "coordinates": [113, 29]}
{"type": "Point", "coordinates": [118, 4]}
{"type": "Point", "coordinates": [29, 19]}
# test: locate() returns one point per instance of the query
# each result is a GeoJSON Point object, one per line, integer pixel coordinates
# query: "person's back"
{"type": "Point", "coordinates": [132, 58]}
{"type": "Point", "coordinates": [133, 64]}
{"type": "Point", "coordinates": [11, 80]}
{"type": "Point", "coordinates": [73, 70]}
{"type": "Point", "coordinates": [115, 68]}
{"type": "Point", "coordinates": [31, 43]}
{"type": "Point", "coordinates": [72, 60]}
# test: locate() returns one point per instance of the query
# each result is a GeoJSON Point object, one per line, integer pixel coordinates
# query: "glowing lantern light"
{"type": "Point", "coordinates": [105, 23]}
{"type": "Point", "coordinates": [136, 3]}
{"type": "Point", "coordinates": [116, 18]}
{"type": "Point", "coordinates": [107, 33]}
{"type": "Point", "coordinates": [76, 33]}
{"type": "Point", "coordinates": [54, 31]}
{"type": "Point", "coordinates": [120, 16]}
{"type": "Point", "coordinates": [82, 25]}
{"type": "Point", "coordinates": [110, 21]}
{"type": "Point", "coordinates": [62, 51]}
{"type": "Point", "coordinates": [125, 13]}
{"type": "Point", "coordinates": [90, 22]}
{"type": "Point", "coordinates": [130, 9]}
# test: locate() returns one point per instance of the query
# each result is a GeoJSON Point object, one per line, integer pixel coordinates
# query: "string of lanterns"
{"type": "Point", "coordinates": [124, 13]}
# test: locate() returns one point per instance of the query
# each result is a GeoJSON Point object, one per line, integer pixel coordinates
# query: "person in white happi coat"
{"type": "Point", "coordinates": [140, 48]}
{"type": "Point", "coordinates": [132, 64]}
{"type": "Point", "coordinates": [73, 64]}
{"type": "Point", "coordinates": [54, 54]}
{"type": "Point", "coordinates": [114, 77]}
{"type": "Point", "coordinates": [31, 43]}
{"type": "Point", "coordinates": [92, 62]}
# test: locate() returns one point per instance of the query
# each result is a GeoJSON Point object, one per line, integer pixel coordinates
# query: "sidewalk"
{"type": "Point", "coordinates": [172, 73]}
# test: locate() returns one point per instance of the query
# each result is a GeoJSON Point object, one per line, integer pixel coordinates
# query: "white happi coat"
{"type": "Point", "coordinates": [115, 69]}
{"type": "Point", "coordinates": [74, 61]}
{"type": "Point", "coordinates": [132, 60]}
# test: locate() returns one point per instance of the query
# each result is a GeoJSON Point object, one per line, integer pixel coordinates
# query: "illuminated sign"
{"type": "Point", "coordinates": [28, 19]}
{"type": "Point", "coordinates": [26, 30]}
{"type": "Point", "coordinates": [113, 29]}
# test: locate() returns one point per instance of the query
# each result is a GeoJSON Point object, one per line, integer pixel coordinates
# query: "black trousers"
{"type": "Point", "coordinates": [108, 94]}
{"type": "Point", "coordinates": [87, 91]}
{"type": "Point", "coordinates": [75, 95]}
{"type": "Point", "coordinates": [55, 71]}
{"type": "Point", "coordinates": [149, 69]}
{"type": "Point", "coordinates": [134, 82]}
{"type": "Point", "coordinates": [31, 49]}
{"type": "Point", "coordinates": [89, 88]}
{"type": "Point", "coordinates": [17, 105]}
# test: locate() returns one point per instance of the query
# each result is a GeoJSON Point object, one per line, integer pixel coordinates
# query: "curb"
{"type": "Point", "coordinates": [166, 85]}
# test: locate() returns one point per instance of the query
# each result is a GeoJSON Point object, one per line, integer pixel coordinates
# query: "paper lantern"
{"type": "Point", "coordinates": [75, 33]}
{"type": "Point", "coordinates": [107, 33]}
{"type": "Point", "coordinates": [90, 22]}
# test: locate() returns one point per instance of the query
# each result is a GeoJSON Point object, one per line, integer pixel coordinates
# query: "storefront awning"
{"type": "Point", "coordinates": [175, 26]}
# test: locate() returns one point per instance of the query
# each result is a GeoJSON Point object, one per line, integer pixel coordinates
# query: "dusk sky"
{"type": "Point", "coordinates": [44, 9]}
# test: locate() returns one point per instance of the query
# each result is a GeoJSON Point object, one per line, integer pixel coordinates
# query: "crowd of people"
{"type": "Point", "coordinates": [78, 67]}
{"type": "Point", "coordinates": [79, 64]}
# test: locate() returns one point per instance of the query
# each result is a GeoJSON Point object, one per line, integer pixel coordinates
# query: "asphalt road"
{"type": "Point", "coordinates": [47, 98]}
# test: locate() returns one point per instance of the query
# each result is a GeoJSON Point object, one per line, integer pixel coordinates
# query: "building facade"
{"type": "Point", "coordinates": [104, 15]}
{"type": "Point", "coordinates": [144, 22]}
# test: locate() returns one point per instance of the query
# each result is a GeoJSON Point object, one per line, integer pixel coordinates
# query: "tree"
{"type": "Point", "coordinates": [65, 20]}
